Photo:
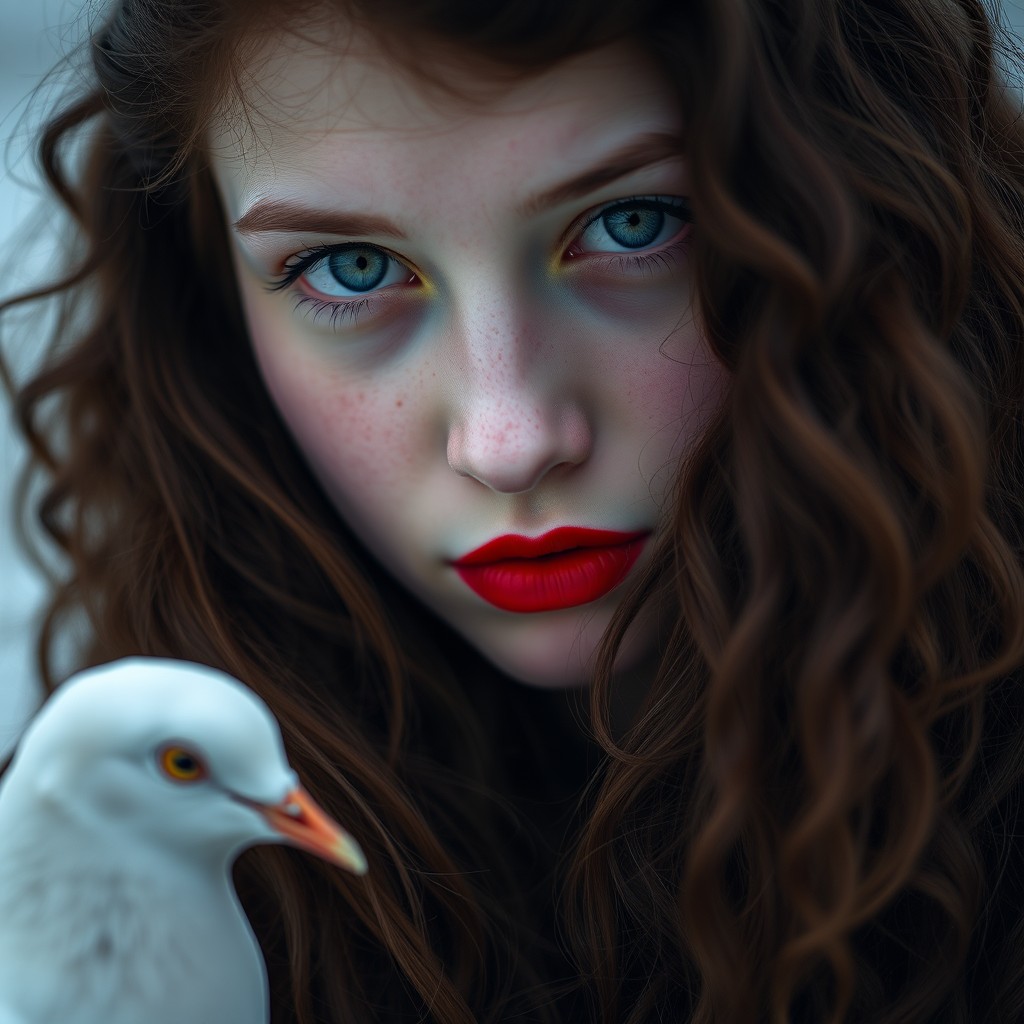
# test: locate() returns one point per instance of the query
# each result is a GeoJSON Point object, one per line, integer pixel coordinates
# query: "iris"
{"type": "Point", "coordinates": [633, 226]}
{"type": "Point", "coordinates": [359, 270]}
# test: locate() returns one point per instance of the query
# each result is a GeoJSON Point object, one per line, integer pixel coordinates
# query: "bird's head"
{"type": "Point", "coordinates": [171, 755]}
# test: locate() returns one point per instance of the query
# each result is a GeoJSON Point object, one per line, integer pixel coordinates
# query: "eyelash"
{"type": "Point", "coordinates": [334, 310]}
{"type": "Point", "coordinates": [676, 207]}
{"type": "Point", "coordinates": [338, 310]}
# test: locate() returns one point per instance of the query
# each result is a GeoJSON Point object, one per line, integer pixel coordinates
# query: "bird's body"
{"type": "Point", "coordinates": [116, 902]}
{"type": "Point", "coordinates": [98, 943]}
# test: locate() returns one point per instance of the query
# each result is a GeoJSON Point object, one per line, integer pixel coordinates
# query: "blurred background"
{"type": "Point", "coordinates": [35, 35]}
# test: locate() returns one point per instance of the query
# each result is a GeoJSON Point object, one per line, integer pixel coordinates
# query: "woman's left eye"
{"type": "Point", "coordinates": [633, 225]}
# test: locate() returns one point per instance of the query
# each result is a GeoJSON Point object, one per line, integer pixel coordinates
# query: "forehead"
{"type": "Point", "coordinates": [331, 96]}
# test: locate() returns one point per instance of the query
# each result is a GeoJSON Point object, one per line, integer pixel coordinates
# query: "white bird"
{"type": "Point", "coordinates": [128, 799]}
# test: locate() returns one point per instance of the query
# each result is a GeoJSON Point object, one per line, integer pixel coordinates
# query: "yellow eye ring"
{"type": "Point", "coordinates": [181, 764]}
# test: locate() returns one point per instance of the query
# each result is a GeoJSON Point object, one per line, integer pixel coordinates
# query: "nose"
{"type": "Point", "coordinates": [515, 417]}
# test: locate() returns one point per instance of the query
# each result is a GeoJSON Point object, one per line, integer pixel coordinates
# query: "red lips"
{"type": "Point", "coordinates": [566, 567]}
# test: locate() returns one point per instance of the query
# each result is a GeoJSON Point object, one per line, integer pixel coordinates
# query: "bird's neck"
{"type": "Point", "coordinates": [52, 849]}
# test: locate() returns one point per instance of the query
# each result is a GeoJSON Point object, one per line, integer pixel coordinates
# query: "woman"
{"type": "Point", "coordinates": [435, 364]}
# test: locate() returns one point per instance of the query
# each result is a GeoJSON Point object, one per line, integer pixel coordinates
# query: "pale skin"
{"type": "Point", "coordinates": [516, 368]}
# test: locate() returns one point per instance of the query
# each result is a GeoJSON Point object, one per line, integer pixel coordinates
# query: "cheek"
{"type": "Point", "coordinates": [666, 381]}
{"type": "Point", "coordinates": [664, 398]}
{"type": "Point", "coordinates": [356, 437]}
{"type": "Point", "coordinates": [684, 389]}
{"type": "Point", "coordinates": [678, 412]}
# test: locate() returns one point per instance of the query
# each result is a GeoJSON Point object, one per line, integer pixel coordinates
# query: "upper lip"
{"type": "Point", "coordinates": [564, 538]}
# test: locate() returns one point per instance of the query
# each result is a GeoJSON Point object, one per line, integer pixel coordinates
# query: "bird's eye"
{"type": "Point", "coordinates": [181, 764]}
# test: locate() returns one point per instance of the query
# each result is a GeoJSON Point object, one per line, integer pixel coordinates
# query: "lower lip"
{"type": "Point", "coordinates": [562, 580]}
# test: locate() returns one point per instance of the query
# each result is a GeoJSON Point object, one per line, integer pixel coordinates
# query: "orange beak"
{"type": "Point", "coordinates": [299, 819]}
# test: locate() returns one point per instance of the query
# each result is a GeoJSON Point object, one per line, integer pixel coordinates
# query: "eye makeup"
{"type": "Point", "coordinates": [342, 281]}
{"type": "Point", "coordinates": [629, 225]}
{"type": "Point", "coordinates": [355, 267]}
{"type": "Point", "coordinates": [339, 284]}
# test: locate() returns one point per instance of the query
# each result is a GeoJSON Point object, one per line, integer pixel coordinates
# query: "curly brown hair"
{"type": "Point", "coordinates": [813, 814]}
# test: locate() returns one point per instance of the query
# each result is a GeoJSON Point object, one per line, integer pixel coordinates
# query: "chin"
{"type": "Point", "coordinates": [541, 677]}
{"type": "Point", "coordinates": [562, 654]}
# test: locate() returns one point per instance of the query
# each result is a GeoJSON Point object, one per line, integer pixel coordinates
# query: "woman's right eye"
{"type": "Point", "coordinates": [354, 271]}
{"type": "Point", "coordinates": [347, 271]}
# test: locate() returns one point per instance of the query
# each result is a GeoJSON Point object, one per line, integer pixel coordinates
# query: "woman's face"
{"type": "Point", "coordinates": [473, 312]}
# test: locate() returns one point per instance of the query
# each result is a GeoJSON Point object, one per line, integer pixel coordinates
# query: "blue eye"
{"type": "Point", "coordinates": [345, 271]}
{"type": "Point", "coordinates": [353, 270]}
{"type": "Point", "coordinates": [634, 224]}
{"type": "Point", "coordinates": [633, 227]}
{"type": "Point", "coordinates": [360, 270]}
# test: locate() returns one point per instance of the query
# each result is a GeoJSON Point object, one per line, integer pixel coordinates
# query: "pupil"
{"type": "Point", "coordinates": [361, 263]}
{"type": "Point", "coordinates": [184, 763]}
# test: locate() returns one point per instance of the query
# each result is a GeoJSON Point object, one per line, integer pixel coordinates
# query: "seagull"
{"type": "Point", "coordinates": [128, 799]}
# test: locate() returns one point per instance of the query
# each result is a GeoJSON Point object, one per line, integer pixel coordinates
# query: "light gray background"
{"type": "Point", "coordinates": [34, 35]}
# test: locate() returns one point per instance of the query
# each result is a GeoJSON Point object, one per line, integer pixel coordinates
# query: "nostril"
{"type": "Point", "coordinates": [512, 453]}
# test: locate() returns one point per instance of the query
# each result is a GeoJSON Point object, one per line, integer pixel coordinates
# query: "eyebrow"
{"type": "Point", "coordinates": [269, 215]}
{"type": "Point", "coordinates": [273, 215]}
{"type": "Point", "coordinates": [651, 148]}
